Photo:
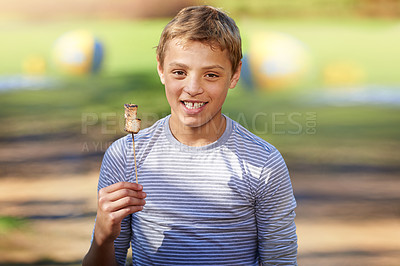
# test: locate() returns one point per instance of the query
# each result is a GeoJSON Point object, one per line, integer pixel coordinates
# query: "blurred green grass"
{"type": "Point", "coordinates": [368, 134]}
{"type": "Point", "coordinates": [9, 223]}
{"type": "Point", "coordinates": [370, 43]}
{"type": "Point", "coordinates": [129, 45]}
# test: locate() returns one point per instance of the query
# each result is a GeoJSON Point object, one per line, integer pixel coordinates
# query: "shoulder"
{"type": "Point", "coordinates": [154, 130]}
{"type": "Point", "coordinates": [119, 147]}
{"type": "Point", "coordinates": [143, 135]}
{"type": "Point", "coordinates": [249, 143]}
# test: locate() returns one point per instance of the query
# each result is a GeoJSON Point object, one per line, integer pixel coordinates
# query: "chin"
{"type": "Point", "coordinates": [192, 122]}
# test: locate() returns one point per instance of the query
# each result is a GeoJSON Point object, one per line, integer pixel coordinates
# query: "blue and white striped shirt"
{"type": "Point", "coordinates": [227, 203]}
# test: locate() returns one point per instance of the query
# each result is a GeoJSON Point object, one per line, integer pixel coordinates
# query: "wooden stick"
{"type": "Point", "coordinates": [134, 157]}
{"type": "Point", "coordinates": [132, 125]}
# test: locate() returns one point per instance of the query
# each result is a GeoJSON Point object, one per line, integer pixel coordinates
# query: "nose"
{"type": "Point", "coordinates": [193, 86]}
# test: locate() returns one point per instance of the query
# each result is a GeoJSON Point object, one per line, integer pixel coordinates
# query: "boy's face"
{"type": "Point", "coordinates": [196, 79]}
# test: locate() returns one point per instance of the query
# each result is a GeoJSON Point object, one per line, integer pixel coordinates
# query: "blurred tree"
{"type": "Point", "coordinates": [379, 8]}
{"type": "Point", "coordinates": [302, 8]}
{"type": "Point", "coordinates": [50, 9]}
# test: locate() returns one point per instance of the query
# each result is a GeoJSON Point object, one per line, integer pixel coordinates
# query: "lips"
{"type": "Point", "coordinates": [193, 105]}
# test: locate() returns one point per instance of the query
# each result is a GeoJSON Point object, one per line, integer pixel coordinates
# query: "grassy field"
{"type": "Point", "coordinates": [129, 76]}
{"type": "Point", "coordinates": [342, 143]}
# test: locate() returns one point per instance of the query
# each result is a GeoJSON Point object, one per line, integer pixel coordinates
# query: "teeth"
{"type": "Point", "coordinates": [191, 105]}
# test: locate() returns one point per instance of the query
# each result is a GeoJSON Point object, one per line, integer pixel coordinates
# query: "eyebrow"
{"type": "Point", "coordinates": [176, 64]}
{"type": "Point", "coordinates": [214, 66]}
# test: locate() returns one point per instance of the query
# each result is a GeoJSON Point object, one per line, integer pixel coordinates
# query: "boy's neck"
{"type": "Point", "coordinates": [198, 136]}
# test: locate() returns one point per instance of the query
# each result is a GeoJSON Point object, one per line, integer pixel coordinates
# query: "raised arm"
{"type": "Point", "coordinates": [117, 199]}
{"type": "Point", "coordinates": [115, 202]}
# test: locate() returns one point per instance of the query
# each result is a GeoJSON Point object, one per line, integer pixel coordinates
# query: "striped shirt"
{"type": "Point", "coordinates": [227, 203]}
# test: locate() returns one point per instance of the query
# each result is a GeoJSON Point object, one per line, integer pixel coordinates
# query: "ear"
{"type": "Point", "coordinates": [160, 71]}
{"type": "Point", "coordinates": [236, 76]}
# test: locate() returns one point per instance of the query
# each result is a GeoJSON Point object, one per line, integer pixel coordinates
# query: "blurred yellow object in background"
{"type": "Point", "coordinates": [78, 53]}
{"type": "Point", "coordinates": [343, 73]}
{"type": "Point", "coordinates": [34, 65]}
{"type": "Point", "coordinates": [277, 61]}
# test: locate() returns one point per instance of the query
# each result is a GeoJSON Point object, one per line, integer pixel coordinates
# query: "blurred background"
{"type": "Point", "coordinates": [320, 81]}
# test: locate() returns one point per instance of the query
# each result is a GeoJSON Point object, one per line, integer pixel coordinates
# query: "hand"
{"type": "Point", "coordinates": [115, 202]}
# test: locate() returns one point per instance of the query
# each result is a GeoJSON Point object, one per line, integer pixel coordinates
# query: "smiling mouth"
{"type": "Point", "coordinates": [193, 105]}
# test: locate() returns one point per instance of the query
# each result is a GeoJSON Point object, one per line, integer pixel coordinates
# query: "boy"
{"type": "Point", "coordinates": [215, 194]}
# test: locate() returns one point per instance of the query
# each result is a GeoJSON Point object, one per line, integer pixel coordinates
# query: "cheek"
{"type": "Point", "coordinates": [220, 91]}
{"type": "Point", "coordinates": [172, 91]}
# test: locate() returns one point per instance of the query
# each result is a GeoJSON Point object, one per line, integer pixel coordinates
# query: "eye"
{"type": "Point", "coordinates": [212, 75]}
{"type": "Point", "coordinates": [178, 72]}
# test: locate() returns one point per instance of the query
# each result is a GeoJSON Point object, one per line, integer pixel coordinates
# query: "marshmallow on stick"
{"type": "Point", "coordinates": [132, 125]}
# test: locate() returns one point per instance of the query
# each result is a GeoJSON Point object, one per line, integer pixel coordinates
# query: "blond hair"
{"type": "Point", "coordinates": [206, 24]}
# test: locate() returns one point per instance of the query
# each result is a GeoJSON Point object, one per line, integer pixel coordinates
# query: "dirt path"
{"type": "Point", "coordinates": [343, 217]}
{"type": "Point", "coordinates": [338, 223]}
{"type": "Point", "coordinates": [348, 219]}
{"type": "Point", "coordinates": [60, 213]}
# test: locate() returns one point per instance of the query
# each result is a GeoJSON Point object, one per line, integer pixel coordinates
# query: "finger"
{"type": "Point", "coordinates": [121, 204]}
{"type": "Point", "coordinates": [122, 185]}
{"type": "Point", "coordinates": [128, 201]}
{"type": "Point", "coordinates": [122, 193]}
{"type": "Point", "coordinates": [115, 218]}
{"type": "Point", "coordinates": [122, 213]}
